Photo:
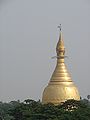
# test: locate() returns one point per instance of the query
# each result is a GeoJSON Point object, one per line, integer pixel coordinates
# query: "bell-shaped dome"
{"type": "Point", "coordinates": [61, 86]}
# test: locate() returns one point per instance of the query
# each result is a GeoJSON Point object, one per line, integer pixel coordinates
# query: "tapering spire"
{"type": "Point", "coordinates": [60, 87]}
{"type": "Point", "coordinates": [60, 49]}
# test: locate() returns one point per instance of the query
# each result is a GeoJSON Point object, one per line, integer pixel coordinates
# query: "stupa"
{"type": "Point", "coordinates": [60, 87]}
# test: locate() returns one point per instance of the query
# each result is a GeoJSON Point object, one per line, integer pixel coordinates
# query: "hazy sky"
{"type": "Point", "coordinates": [28, 38]}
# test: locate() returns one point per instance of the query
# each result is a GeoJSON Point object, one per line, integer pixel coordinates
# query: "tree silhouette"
{"type": "Point", "coordinates": [88, 97]}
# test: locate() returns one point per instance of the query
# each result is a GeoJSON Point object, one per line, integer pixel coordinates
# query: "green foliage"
{"type": "Point", "coordinates": [35, 110]}
{"type": "Point", "coordinates": [5, 110]}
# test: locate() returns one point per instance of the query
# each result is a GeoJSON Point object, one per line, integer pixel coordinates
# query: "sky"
{"type": "Point", "coordinates": [28, 38]}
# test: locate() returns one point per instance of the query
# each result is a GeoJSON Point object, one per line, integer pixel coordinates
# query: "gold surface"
{"type": "Point", "coordinates": [60, 87]}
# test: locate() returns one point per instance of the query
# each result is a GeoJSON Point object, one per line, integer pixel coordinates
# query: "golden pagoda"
{"type": "Point", "coordinates": [61, 86]}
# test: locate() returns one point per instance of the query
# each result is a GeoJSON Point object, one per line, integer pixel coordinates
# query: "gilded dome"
{"type": "Point", "coordinates": [61, 87]}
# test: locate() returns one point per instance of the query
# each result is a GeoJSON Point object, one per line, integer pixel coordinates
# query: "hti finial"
{"type": "Point", "coordinates": [59, 27]}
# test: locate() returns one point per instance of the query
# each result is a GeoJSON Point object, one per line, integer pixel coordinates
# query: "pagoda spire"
{"type": "Point", "coordinates": [60, 87]}
{"type": "Point", "coordinates": [60, 49]}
